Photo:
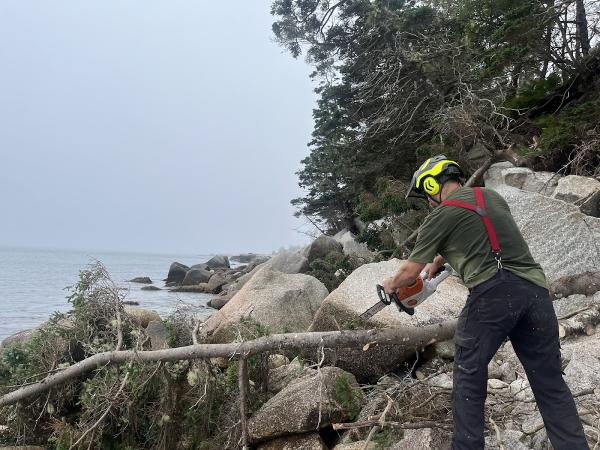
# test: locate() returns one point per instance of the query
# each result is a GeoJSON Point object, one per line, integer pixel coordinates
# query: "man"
{"type": "Point", "coordinates": [473, 230]}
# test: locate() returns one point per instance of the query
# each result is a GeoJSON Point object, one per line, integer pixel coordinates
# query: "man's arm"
{"type": "Point", "coordinates": [406, 275]}
{"type": "Point", "coordinates": [433, 267]}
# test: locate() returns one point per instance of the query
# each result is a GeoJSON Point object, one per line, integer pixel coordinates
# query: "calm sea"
{"type": "Point", "coordinates": [32, 283]}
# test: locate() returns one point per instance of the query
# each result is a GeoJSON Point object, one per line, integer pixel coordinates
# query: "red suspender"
{"type": "Point", "coordinates": [480, 210]}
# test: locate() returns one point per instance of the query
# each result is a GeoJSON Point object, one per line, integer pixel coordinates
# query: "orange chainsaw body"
{"type": "Point", "coordinates": [410, 291]}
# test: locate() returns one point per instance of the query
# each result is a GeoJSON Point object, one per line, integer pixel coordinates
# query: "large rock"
{"type": "Point", "coordinates": [246, 258]}
{"type": "Point", "coordinates": [591, 206]}
{"type": "Point", "coordinates": [583, 191]}
{"type": "Point", "coordinates": [307, 404]}
{"type": "Point", "coordinates": [141, 280]}
{"type": "Point", "coordinates": [342, 308]}
{"type": "Point", "coordinates": [150, 288]}
{"type": "Point", "coordinates": [281, 302]}
{"type": "Point", "coordinates": [196, 276]}
{"type": "Point", "coordinates": [177, 273]}
{"type": "Point", "coordinates": [505, 173]}
{"type": "Point", "coordinates": [321, 247]}
{"type": "Point", "coordinates": [574, 188]}
{"type": "Point", "coordinates": [308, 441]}
{"type": "Point", "coordinates": [215, 283]}
{"type": "Point", "coordinates": [199, 288]}
{"type": "Point", "coordinates": [288, 262]}
{"type": "Point", "coordinates": [562, 239]}
{"type": "Point", "coordinates": [141, 316]}
{"type": "Point", "coordinates": [494, 176]}
{"type": "Point", "coordinates": [543, 183]}
{"type": "Point", "coordinates": [218, 261]}
{"type": "Point", "coordinates": [21, 337]}
{"type": "Point", "coordinates": [424, 439]}
{"type": "Point", "coordinates": [220, 301]}
{"type": "Point", "coordinates": [583, 367]}
{"type": "Point", "coordinates": [280, 377]}
{"type": "Point", "coordinates": [516, 176]}
{"type": "Point", "coordinates": [511, 440]}
{"type": "Point", "coordinates": [55, 341]}
{"type": "Point", "coordinates": [157, 332]}
{"type": "Point", "coordinates": [351, 247]}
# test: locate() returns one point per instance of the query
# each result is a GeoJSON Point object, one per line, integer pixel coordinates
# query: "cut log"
{"type": "Point", "coordinates": [582, 323]}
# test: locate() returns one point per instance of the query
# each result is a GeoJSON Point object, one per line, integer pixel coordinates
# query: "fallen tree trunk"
{"type": "Point", "coordinates": [587, 283]}
{"type": "Point", "coordinates": [409, 337]}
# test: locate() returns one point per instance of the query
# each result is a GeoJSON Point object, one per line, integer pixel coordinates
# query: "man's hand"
{"type": "Point", "coordinates": [388, 285]}
{"type": "Point", "coordinates": [434, 267]}
{"type": "Point", "coordinates": [407, 274]}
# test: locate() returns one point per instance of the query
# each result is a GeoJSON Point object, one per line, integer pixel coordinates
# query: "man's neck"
{"type": "Point", "coordinates": [449, 188]}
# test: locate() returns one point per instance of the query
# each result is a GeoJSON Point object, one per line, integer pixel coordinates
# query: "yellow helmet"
{"type": "Point", "coordinates": [428, 178]}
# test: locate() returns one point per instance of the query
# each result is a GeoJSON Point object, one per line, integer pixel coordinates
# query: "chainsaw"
{"type": "Point", "coordinates": [407, 298]}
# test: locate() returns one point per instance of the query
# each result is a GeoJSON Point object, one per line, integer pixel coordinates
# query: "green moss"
{"type": "Point", "coordinates": [171, 333]}
{"type": "Point", "coordinates": [352, 324]}
{"type": "Point", "coordinates": [347, 396]}
{"type": "Point", "coordinates": [325, 269]}
{"type": "Point", "coordinates": [254, 328]}
{"type": "Point", "coordinates": [386, 438]}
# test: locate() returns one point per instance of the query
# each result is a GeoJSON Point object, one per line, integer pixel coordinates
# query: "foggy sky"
{"type": "Point", "coordinates": [154, 126]}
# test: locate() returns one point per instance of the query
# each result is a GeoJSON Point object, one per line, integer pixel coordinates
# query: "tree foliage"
{"type": "Point", "coordinates": [401, 79]}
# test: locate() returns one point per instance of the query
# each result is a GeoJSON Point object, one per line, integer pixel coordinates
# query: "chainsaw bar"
{"type": "Point", "coordinates": [372, 311]}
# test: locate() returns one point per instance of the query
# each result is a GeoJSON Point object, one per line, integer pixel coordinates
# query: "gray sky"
{"type": "Point", "coordinates": [156, 126]}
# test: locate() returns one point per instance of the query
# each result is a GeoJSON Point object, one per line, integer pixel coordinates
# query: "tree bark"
{"type": "Point", "coordinates": [583, 39]}
{"type": "Point", "coordinates": [587, 283]}
{"type": "Point", "coordinates": [584, 322]}
{"type": "Point", "coordinates": [407, 336]}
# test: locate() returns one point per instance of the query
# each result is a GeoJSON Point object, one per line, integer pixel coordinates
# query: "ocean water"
{"type": "Point", "coordinates": [33, 282]}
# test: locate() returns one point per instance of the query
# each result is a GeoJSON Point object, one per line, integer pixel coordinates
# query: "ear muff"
{"type": "Point", "coordinates": [431, 186]}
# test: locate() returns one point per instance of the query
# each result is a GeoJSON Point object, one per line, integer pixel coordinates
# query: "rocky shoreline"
{"type": "Point", "coordinates": [389, 396]}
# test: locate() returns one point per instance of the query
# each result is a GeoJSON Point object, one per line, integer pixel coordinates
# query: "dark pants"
{"type": "Point", "coordinates": [509, 306]}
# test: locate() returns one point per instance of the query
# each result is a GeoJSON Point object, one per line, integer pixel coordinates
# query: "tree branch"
{"type": "Point", "coordinates": [406, 336]}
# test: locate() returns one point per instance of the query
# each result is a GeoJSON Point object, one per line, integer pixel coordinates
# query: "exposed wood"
{"type": "Point", "coordinates": [581, 323]}
{"type": "Point", "coordinates": [410, 337]}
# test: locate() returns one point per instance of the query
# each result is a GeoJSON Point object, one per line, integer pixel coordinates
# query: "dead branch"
{"type": "Point", "coordinates": [401, 425]}
{"type": "Point", "coordinates": [377, 428]}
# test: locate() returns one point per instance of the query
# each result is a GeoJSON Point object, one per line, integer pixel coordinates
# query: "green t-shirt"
{"type": "Point", "coordinates": [459, 236]}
